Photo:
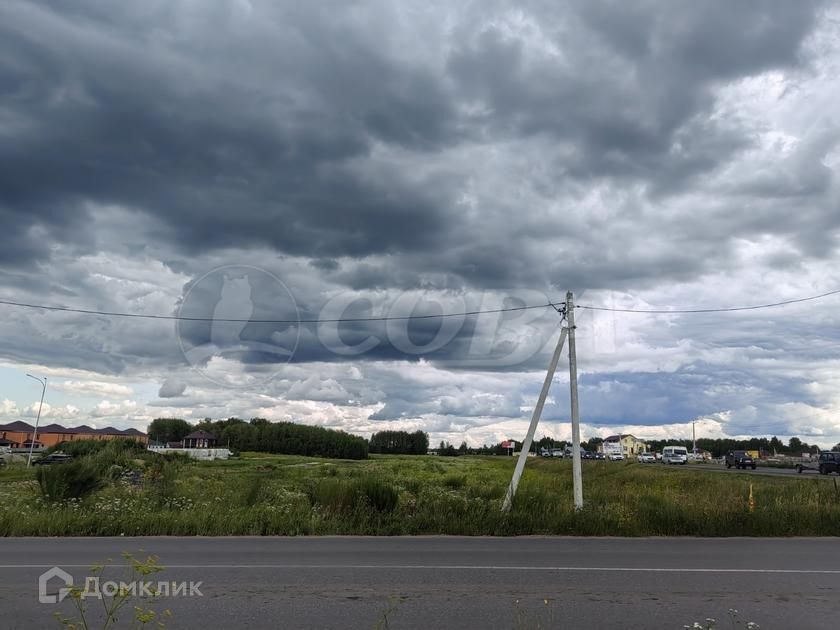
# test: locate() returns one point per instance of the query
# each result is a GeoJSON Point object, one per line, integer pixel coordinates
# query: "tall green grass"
{"type": "Point", "coordinates": [390, 495]}
{"type": "Point", "coordinates": [71, 480]}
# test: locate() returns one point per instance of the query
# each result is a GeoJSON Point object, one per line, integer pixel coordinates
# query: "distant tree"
{"type": "Point", "coordinates": [448, 450]}
{"type": "Point", "coordinates": [590, 445]}
{"type": "Point", "coordinates": [169, 429]}
{"type": "Point", "coordinates": [419, 443]}
{"type": "Point", "coordinates": [836, 447]}
{"type": "Point", "coordinates": [795, 446]}
{"type": "Point", "coordinates": [399, 443]}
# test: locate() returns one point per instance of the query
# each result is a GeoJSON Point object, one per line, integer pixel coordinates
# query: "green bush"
{"type": "Point", "coordinates": [81, 448]}
{"type": "Point", "coordinates": [160, 478]}
{"type": "Point", "coordinates": [381, 496]}
{"type": "Point", "coordinates": [454, 481]}
{"type": "Point", "coordinates": [346, 496]}
{"type": "Point", "coordinates": [73, 480]}
{"type": "Point", "coordinates": [253, 491]}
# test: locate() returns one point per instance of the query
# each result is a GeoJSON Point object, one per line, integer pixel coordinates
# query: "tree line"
{"type": "Point", "coordinates": [289, 438]}
{"type": "Point", "coordinates": [260, 435]}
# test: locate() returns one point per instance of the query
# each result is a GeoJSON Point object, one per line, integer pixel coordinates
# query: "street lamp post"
{"type": "Point", "coordinates": [43, 383]}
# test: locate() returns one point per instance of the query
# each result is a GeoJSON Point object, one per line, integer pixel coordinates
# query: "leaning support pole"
{"type": "Point", "coordinates": [535, 419]}
{"type": "Point", "coordinates": [577, 477]}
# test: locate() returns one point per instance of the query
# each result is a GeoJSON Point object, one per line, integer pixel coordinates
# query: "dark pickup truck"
{"type": "Point", "coordinates": [829, 462]}
{"type": "Point", "coordinates": [739, 459]}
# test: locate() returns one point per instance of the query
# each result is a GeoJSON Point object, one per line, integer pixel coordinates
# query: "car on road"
{"type": "Point", "coordinates": [739, 459]}
{"type": "Point", "coordinates": [646, 458]}
{"type": "Point", "coordinates": [600, 456]}
{"type": "Point", "coordinates": [674, 455]}
{"type": "Point", "coordinates": [800, 468]}
{"type": "Point", "coordinates": [615, 457]}
{"type": "Point", "coordinates": [52, 458]}
{"type": "Point", "coordinates": [587, 455]}
{"type": "Point", "coordinates": [829, 462]}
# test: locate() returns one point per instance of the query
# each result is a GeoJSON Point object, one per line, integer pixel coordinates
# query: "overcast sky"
{"type": "Point", "coordinates": [258, 160]}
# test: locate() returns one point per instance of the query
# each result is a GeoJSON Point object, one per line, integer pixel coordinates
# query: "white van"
{"type": "Point", "coordinates": [674, 455]}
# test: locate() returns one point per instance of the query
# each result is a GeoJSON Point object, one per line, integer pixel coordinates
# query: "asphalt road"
{"type": "Point", "coordinates": [451, 582]}
{"type": "Point", "coordinates": [760, 470]}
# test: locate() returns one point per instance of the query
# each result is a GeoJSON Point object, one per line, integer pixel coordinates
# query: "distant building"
{"type": "Point", "coordinates": [20, 434]}
{"type": "Point", "coordinates": [200, 439]}
{"type": "Point", "coordinates": [627, 443]}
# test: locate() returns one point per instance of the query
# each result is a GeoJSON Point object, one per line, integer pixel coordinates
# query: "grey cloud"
{"type": "Point", "coordinates": [380, 148]}
{"type": "Point", "coordinates": [172, 389]}
{"type": "Point", "coordinates": [225, 158]}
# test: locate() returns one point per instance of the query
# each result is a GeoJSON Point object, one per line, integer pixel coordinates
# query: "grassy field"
{"type": "Point", "coordinates": [391, 495]}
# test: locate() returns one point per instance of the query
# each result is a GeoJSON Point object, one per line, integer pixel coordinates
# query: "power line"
{"type": "Point", "coordinates": [711, 310]}
{"type": "Point", "coordinates": [84, 311]}
{"type": "Point", "coordinates": [664, 311]}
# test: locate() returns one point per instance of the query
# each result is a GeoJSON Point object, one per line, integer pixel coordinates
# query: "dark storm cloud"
{"type": "Point", "coordinates": [224, 162]}
{"type": "Point", "coordinates": [628, 80]}
{"type": "Point", "coordinates": [458, 153]}
{"type": "Point", "coordinates": [237, 127]}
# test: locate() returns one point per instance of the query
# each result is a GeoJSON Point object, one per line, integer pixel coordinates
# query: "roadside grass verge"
{"type": "Point", "coordinates": [260, 494]}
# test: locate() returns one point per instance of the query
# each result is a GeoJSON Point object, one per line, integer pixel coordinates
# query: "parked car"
{"type": "Point", "coordinates": [600, 456]}
{"type": "Point", "coordinates": [646, 458]}
{"type": "Point", "coordinates": [615, 457]}
{"type": "Point", "coordinates": [588, 455]}
{"type": "Point", "coordinates": [739, 459]}
{"type": "Point", "coordinates": [829, 462]}
{"type": "Point", "coordinates": [52, 458]}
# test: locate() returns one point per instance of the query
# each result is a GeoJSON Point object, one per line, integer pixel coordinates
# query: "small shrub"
{"type": "Point", "coordinates": [160, 478]}
{"type": "Point", "coordinates": [253, 491]}
{"type": "Point", "coordinates": [381, 496]}
{"type": "Point", "coordinates": [338, 495]}
{"type": "Point", "coordinates": [454, 481]}
{"type": "Point", "coordinates": [335, 495]}
{"type": "Point", "coordinates": [73, 480]}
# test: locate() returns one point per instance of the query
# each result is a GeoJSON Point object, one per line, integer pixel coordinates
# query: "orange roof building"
{"type": "Point", "coordinates": [20, 434]}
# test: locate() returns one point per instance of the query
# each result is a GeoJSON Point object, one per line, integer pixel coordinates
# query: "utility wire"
{"type": "Point", "coordinates": [511, 309]}
{"type": "Point", "coordinates": [84, 311]}
{"type": "Point", "coordinates": [711, 310]}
